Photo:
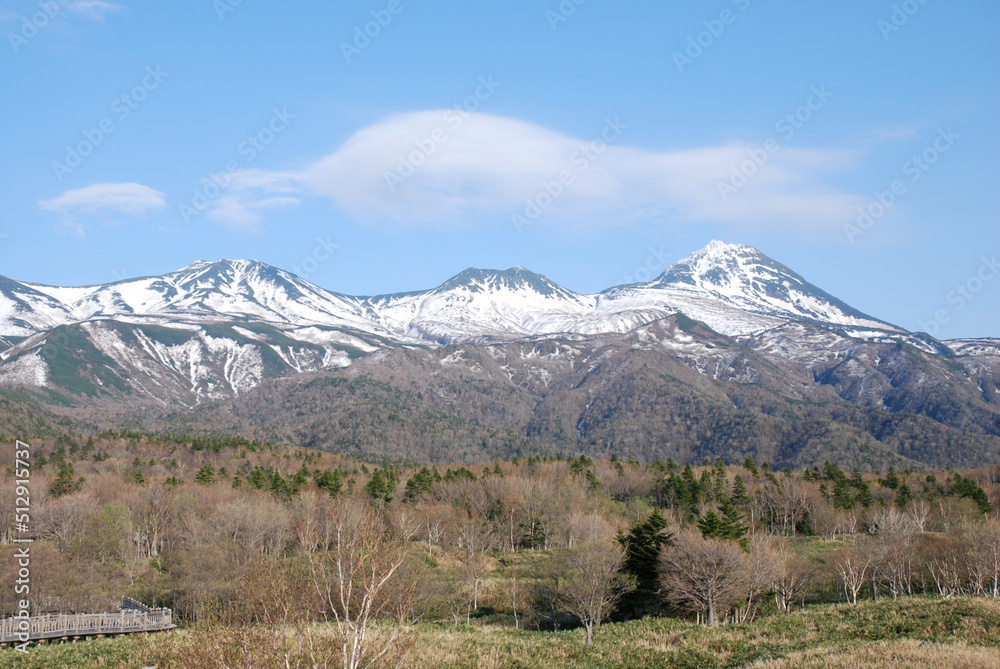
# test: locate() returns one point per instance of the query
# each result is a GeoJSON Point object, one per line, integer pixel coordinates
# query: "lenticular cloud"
{"type": "Point", "coordinates": [449, 167]}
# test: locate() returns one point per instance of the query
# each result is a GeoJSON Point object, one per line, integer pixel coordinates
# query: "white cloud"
{"type": "Point", "coordinates": [473, 166]}
{"type": "Point", "coordinates": [252, 192]}
{"type": "Point", "coordinates": [104, 201]}
{"type": "Point", "coordinates": [96, 9]}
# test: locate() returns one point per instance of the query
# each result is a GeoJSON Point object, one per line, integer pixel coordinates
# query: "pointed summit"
{"type": "Point", "coordinates": [746, 279]}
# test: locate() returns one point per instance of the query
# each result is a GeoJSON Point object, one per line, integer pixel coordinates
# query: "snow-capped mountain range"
{"type": "Point", "coordinates": [216, 329]}
{"type": "Point", "coordinates": [734, 289]}
{"type": "Point", "coordinates": [727, 352]}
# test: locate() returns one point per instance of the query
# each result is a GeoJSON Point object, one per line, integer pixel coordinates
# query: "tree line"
{"type": "Point", "coordinates": [533, 542]}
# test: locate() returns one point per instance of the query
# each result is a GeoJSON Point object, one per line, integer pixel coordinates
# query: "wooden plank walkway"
{"type": "Point", "coordinates": [133, 617]}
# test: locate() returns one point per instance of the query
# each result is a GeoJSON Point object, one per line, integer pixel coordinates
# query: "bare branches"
{"type": "Point", "coordinates": [592, 582]}
{"type": "Point", "coordinates": [705, 576]}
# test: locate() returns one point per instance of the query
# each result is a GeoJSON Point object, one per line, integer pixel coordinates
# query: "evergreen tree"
{"type": "Point", "coordinates": [842, 494]}
{"type": "Point", "coordinates": [719, 479]}
{"type": "Point", "coordinates": [205, 475]}
{"type": "Point", "coordinates": [65, 482]}
{"type": "Point", "coordinates": [706, 484]}
{"type": "Point", "coordinates": [740, 497]}
{"type": "Point", "coordinates": [969, 489]}
{"type": "Point", "coordinates": [642, 552]}
{"type": "Point", "coordinates": [732, 522]}
{"type": "Point", "coordinates": [711, 526]}
{"type": "Point", "coordinates": [903, 495]}
{"type": "Point", "coordinates": [864, 496]}
{"type": "Point", "coordinates": [832, 472]}
{"type": "Point", "coordinates": [330, 481]}
{"type": "Point", "coordinates": [418, 484]}
{"type": "Point", "coordinates": [300, 479]}
{"type": "Point", "coordinates": [381, 487]}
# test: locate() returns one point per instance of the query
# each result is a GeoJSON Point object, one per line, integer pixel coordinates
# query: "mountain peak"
{"type": "Point", "coordinates": [747, 279]}
{"type": "Point", "coordinates": [514, 279]}
{"type": "Point", "coordinates": [719, 246]}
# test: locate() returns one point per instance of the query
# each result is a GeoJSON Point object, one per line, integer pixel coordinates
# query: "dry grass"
{"type": "Point", "coordinates": [962, 633]}
{"type": "Point", "coordinates": [894, 655]}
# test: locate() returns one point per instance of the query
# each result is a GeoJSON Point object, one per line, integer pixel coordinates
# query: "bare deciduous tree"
{"type": "Point", "coordinates": [59, 521]}
{"type": "Point", "coordinates": [853, 566]}
{"type": "Point", "coordinates": [354, 582]}
{"type": "Point", "coordinates": [946, 566]}
{"type": "Point", "coordinates": [792, 575]}
{"type": "Point", "coordinates": [897, 537]}
{"type": "Point", "coordinates": [706, 576]}
{"type": "Point", "coordinates": [983, 556]}
{"type": "Point", "coordinates": [762, 573]}
{"type": "Point", "coordinates": [474, 539]}
{"type": "Point", "coordinates": [592, 582]}
{"type": "Point", "coordinates": [785, 504]}
{"type": "Point", "coordinates": [919, 511]}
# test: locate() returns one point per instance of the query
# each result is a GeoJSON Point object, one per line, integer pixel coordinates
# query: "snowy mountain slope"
{"type": "Point", "coordinates": [502, 362]}
{"type": "Point", "coordinates": [184, 364]}
{"type": "Point", "coordinates": [734, 289]}
{"type": "Point", "coordinates": [673, 388]}
{"type": "Point", "coordinates": [482, 305]}
{"type": "Point", "coordinates": [737, 290]}
{"type": "Point", "coordinates": [215, 317]}
{"type": "Point", "coordinates": [986, 346]}
{"type": "Point", "coordinates": [227, 289]}
{"type": "Point", "coordinates": [25, 310]}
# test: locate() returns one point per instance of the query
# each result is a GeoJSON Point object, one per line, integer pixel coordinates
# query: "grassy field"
{"type": "Point", "coordinates": [916, 632]}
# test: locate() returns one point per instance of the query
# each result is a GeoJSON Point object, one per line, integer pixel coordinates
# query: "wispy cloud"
{"type": "Point", "coordinates": [104, 202]}
{"type": "Point", "coordinates": [470, 166]}
{"type": "Point", "coordinates": [252, 192]}
{"type": "Point", "coordinates": [893, 134]}
{"type": "Point", "coordinates": [96, 10]}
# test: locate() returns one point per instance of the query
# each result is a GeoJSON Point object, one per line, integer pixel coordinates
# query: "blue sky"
{"type": "Point", "coordinates": [593, 142]}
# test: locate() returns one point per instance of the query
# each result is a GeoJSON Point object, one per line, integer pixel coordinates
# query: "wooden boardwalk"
{"type": "Point", "coordinates": [133, 617]}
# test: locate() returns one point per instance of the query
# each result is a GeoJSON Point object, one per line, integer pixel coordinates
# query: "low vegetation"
{"type": "Point", "coordinates": [275, 556]}
{"type": "Point", "coordinates": [960, 633]}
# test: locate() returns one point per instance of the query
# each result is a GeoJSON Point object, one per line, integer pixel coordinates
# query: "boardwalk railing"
{"type": "Point", "coordinates": [134, 617]}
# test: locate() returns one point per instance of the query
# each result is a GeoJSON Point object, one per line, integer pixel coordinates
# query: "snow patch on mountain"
{"type": "Point", "coordinates": [27, 370]}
